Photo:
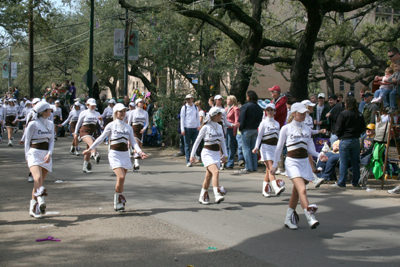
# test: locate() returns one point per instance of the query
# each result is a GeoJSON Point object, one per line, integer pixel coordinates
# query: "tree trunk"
{"type": "Point", "coordinates": [303, 59]}
{"type": "Point", "coordinates": [328, 71]}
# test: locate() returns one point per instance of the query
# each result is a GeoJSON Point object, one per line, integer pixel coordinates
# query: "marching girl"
{"type": "Point", "coordinates": [24, 113]}
{"type": "Point", "coordinates": [57, 112]}
{"type": "Point", "coordinates": [213, 135]}
{"type": "Point", "coordinates": [139, 119]}
{"type": "Point", "coordinates": [39, 144]}
{"type": "Point", "coordinates": [118, 156]}
{"type": "Point", "coordinates": [299, 144]}
{"type": "Point", "coordinates": [108, 115]}
{"type": "Point", "coordinates": [73, 120]}
{"type": "Point", "coordinates": [86, 129]}
{"type": "Point", "coordinates": [308, 121]}
{"type": "Point", "coordinates": [10, 113]}
{"type": "Point", "coordinates": [268, 133]}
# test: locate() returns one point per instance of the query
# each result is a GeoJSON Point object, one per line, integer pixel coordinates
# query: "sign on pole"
{"type": "Point", "coordinates": [119, 37]}
{"type": "Point", "coordinates": [5, 67]}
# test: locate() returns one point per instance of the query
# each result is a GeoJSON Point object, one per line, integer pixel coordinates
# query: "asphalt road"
{"type": "Point", "coordinates": [166, 226]}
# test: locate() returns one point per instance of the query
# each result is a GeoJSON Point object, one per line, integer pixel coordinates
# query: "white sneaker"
{"type": "Point", "coordinates": [106, 143]}
{"type": "Point", "coordinates": [87, 167]}
{"type": "Point", "coordinates": [265, 189]}
{"type": "Point", "coordinates": [10, 143]}
{"type": "Point", "coordinates": [34, 210]}
{"type": "Point", "coordinates": [219, 193]}
{"type": "Point", "coordinates": [318, 181]}
{"type": "Point", "coordinates": [284, 173]}
{"type": "Point", "coordinates": [30, 178]}
{"type": "Point", "coordinates": [278, 172]}
{"type": "Point", "coordinates": [204, 197]}
{"type": "Point", "coordinates": [119, 202]}
{"type": "Point", "coordinates": [376, 100]}
{"type": "Point", "coordinates": [72, 150]}
{"type": "Point", "coordinates": [309, 212]}
{"type": "Point", "coordinates": [222, 166]}
{"type": "Point", "coordinates": [395, 190]}
{"type": "Point", "coordinates": [77, 152]}
{"type": "Point", "coordinates": [278, 190]}
{"type": "Point", "coordinates": [97, 157]}
{"type": "Point", "coordinates": [244, 171]}
{"type": "Point", "coordinates": [189, 164]}
{"type": "Point", "coordinates": [42, 204]}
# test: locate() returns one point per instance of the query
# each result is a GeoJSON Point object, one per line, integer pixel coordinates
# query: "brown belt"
{"type": "Point", "coordinates": [299, 153]}
{"type": "Point", "coordinates": [271, 141]}
{"type": "Point", "coordinates": [214, 147]}
{"type": "Point", "coordinates": [119, 147]}
{"type": "Point", "coordinates": [41, 146]}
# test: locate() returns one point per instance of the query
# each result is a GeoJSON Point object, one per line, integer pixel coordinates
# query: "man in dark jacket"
{"type": "Point", "coordinates": [250, 117]}
{"type": "Point", "coordinates": [319, 115]}
{"type": "Point", "coordinates": [332, 115]}
{"type": "Point", "coordinates": [369, 109]}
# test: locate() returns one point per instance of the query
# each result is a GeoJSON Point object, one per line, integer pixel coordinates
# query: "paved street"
{"type": "Point", "coordinates": [166, 226]}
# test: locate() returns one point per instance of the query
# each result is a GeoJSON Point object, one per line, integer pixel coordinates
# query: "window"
{"type": "Point", "coordinates": [341, 85]}
{"type": "Point", "coordinates": [387, 14]}
{"type": "Point", "coordinates": [352, 87]}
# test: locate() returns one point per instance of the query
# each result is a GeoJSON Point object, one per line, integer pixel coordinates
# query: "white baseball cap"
{"type": "Point", "coordinates": [118, 107]}
{"type": "Point", "coordinates": [132, 104]}
{"type": "Point", "coordinates": [298, 107]}
{"type": "Point", "coordinates": [28, 102]}
{"type": "Point", "coordinates": [77, 104]}
{"type": "Point", "coordinates": [270, 105]}
{"type": "Point", "coordinates": [307, 103]}
{"type": "Point", "coordinates": [321, 95]}
{"type": "Point", "coordinates": [41, 106]}
{"type": "Point", "coordinates": [91, 102]}
{"type": "Point", "coordinates": [35, 100]}
{"type": "Point", "coordinates": [189, 96]}
{"type": "Point", "coordinates": [112, 101]}
{"type": "Point", "coordinates": [214, 111]}
{"type": "Point", "coordinates": [138, 100]}
{"type": "Point", "coordinates": [57, 101]}
{"type": "Point", "coordinates": [217, 97]}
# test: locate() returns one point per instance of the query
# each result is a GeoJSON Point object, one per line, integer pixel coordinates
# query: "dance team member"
{"type": "Point", "coordinates": [139, 119]}
{"type": "Point", "coordinates": [86, 129]}
{"type": "Point", "coordinates": [73, 120]}
{"type": "Point", "coordinates": [268, 133]}
{"type": "Point", "coordinates": [108, 115]}
{"type": "Point", "coordinates": [39, 144]}
{"type": "Point", "coordinates": [212, 133]}
{"type": "Point", "coordinates": [23, 114]}
{"type": "Point", "coordinates": [299, 143]}
{"type": "Point", "coordinates": [57, 112]}
{"type": "Point", "coordinates": [118, 156]}
{"type": "Point", "coordinates": [10, 113]}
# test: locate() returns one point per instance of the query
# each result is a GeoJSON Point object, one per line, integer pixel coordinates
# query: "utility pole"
{"type": "Point", "coordinates": [9, 67]}
{"type": "Point", "coordinates": [30, 41]}
{"type": "Point", "coordinates": [126, 53]}
{"type": "Point", "coordinates": [90, 72]}
{"type": "Point", "coordinates": [201, 45]}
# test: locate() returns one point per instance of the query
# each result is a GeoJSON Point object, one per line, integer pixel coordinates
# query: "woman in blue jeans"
{"type": "Point", "coordinates": [349, 126]}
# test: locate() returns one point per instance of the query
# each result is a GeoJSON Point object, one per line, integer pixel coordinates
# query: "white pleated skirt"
{"type": "Point", "coordinates": [299, 168]}
{"type": "Point", "coordinates": [209, 157]}
{"type": "Point", "coordinates": [35, 157]}
{"type": "Point", "coordinates": [267, 152]}
{"type": "Point", "coordinates": [119, 159]}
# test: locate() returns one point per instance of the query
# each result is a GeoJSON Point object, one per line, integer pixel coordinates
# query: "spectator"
{"type": "Point", "coordinates": [211, 102]}
{"type": "Point", "coordinates": [313, 98]}
{"type": "Point", "coordinates": [150, 110]}
{"type": "Point", "coordinates": [319, 115]}
{"type": "Point", "coordinates": [394, 55]}
{"type": "Point", "coordinates": [368, 140]}
{"type": "Point", "coordinates": [239, 144]}
{"type": "Point", "coordinates": [126, 101]}
{"type": "Point", "coordinates": [350, 125]}
{"type": "Point", "coordinates": [232, 115]}
{"type": "Point", "coordinates": [72, 92]}
{"type": "Point", "coordinates": [329, 167]}
{"type": "Point", "coordinates": [369, 109]}
{"type": "Point", "coordinates": [332, 115]}
{"type": "Point", "coordinates": [384, 89]}
{"type": "Point", "coordinates": [340, 99]}
{"type": "Point", "coordinates": [395, 79]}
{"type": "Point", "coordinates": [362, 93]}
{"type": "Point", "coordinates": [190, 126]}
{"type": "Point", "coordinates": [181, 139]}
{"type": "Point", "coordinates": [280, 101]}
{"type": "Point", "coordinates": [250, 117]}
{"type": "Point", "coordinates": [16, 93]}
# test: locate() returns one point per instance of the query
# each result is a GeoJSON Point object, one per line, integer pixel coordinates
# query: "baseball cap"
{"type": "Point", "coordinates": [57, 101]}
{"type": "Point", "coordinates": [91, 102]}
{"type": "Point", "coordinates": [41, 106]}
{"type": "Point", "coordinates": [132, 104]}
{"type": "Point", "coordinates": [298, 107]}
{"type": "Point", "coordinates": [118, 107]}
{"type": "Point", "coordinates": [307, 103]}
{"type": "Point", "coordinates": [371, 126]}
{"type": "Point", "coordinates": [217, 97]}
{"type": "Point", "coordinates": [35, 100]}
{"type": "Point", "coordinates": [350, 94]}
{"type": "Point", "coordinates": [189, 96]}
{"type": "Point", "coordinates": [368, 94]}
{"type": "Point", "coordinates": [112, 101]}
{"type": "Point", "coordinates": [77, 103]}
{"type": "Point", "coordinates": [214, 111]}
{"type": "Point", "coordinates": [321, 95]}
{"type": "Point", "coordinates": [138, 100]}
{"type": "Point", "coordinates": [270, 105]}
{"type": "Point", "coordinates": [333, 97]}
{"type": "Point", "coordinates": [275, 88]}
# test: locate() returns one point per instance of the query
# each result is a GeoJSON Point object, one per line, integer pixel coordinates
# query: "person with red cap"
{"type": "Point", "coordinates": [280, 101]}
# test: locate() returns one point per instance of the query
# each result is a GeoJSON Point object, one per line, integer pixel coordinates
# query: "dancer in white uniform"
{"type": "Point", "coordinates": [139, 119]}
{"type": "Point", "coordinates": [268, 133]}
{"type": "Point", "coordinates": [310, 123]}
{"type": "Point", "coordinates": [213, 135]}
{"type": "Point", "coordinates": [39, 143]}
{"type": "Point", "coordinates": [24, 113]}
{"type": "Point", "coordinates": [118, 155]}
{"type": "Point", "coordinates": [57, 113]}
{"type": "Point", "coordinates": [73, 120]}
{"type": "Point", "coordinates": [86, 129]}
{"type": "Point", "coordinates": [10, 116]}
{"type": "Point", "coordinates": [299, 144]}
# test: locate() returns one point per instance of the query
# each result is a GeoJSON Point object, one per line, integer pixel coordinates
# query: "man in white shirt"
{"type": "Point", "coordinates": [190, 125]}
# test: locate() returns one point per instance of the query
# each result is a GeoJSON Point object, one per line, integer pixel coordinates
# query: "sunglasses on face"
{"type": "Point", "coordinates": [391, 55]}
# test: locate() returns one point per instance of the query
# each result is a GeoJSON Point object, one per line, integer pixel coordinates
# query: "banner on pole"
{"type": "Point", "coordinates": [6, 70]}
{"type": "Point", "coordinates": [133, 38]}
